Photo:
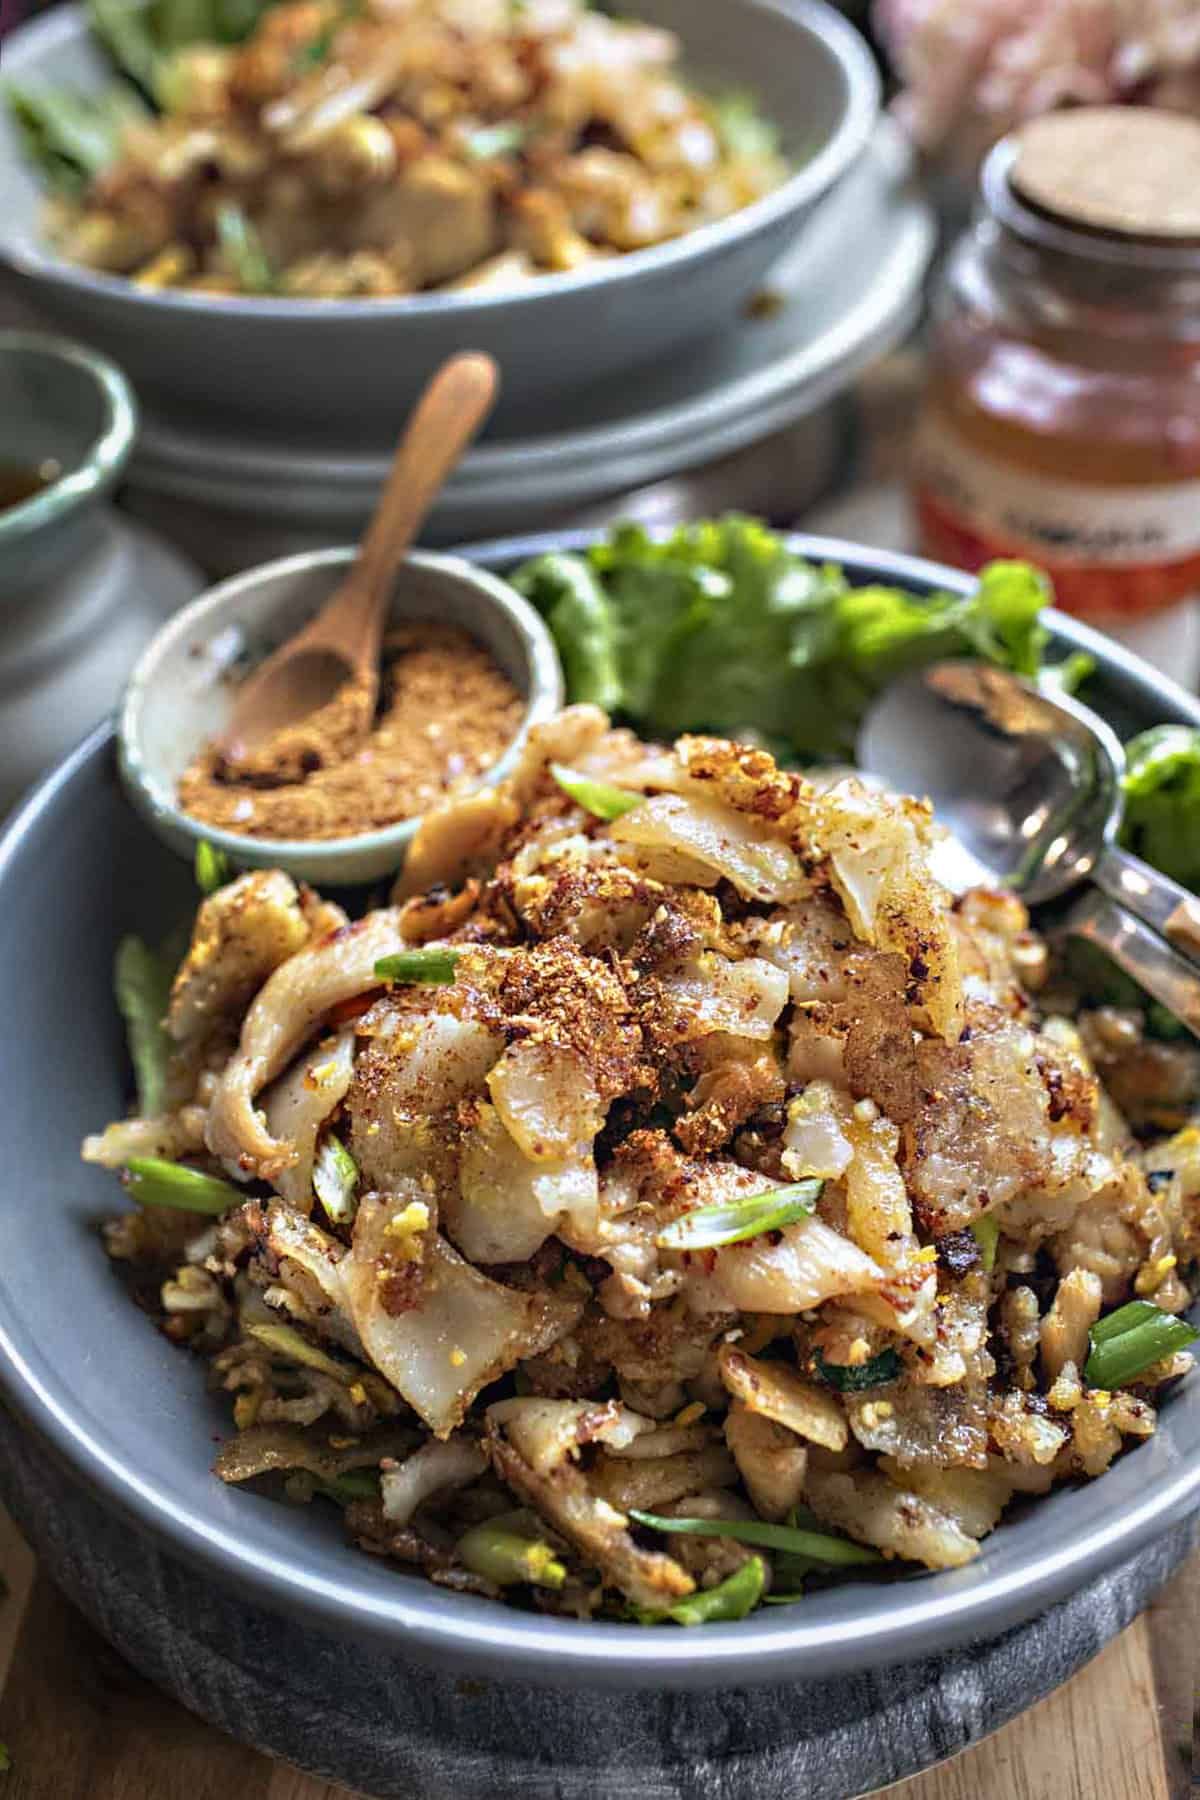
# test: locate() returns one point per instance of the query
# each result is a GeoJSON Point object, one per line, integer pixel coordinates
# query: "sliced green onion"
{"type": "Point", "coordinates": [486, 141]}
{"type": "Point", "coordinates": [243, 251]}
{"type": "Point", "coordinates": [212, 867]}
{"type": "Point", "coordinates": [732, 1221]}
{"type": "Point", "coordinates": [5, 1759]}
{"type": "Point", "coordinates": [436, 967]}
{"type": "Point", "coordinates": [153, 1182]}
{"type": "Point", "coordinates": [504, 1556]}
{"type": "Point", "coordinates": [335, 1178]}
{"type": "Point", "coordinates": [1115, 1323]}
{"type": "Point", "coordinates": [849, 1378]}
{"type": "Point", "coordinates": [986, 1232]}
{"type": "Point", "coordinates": [732, 1598]}
{"type": "Point", "coordinates": [600, 798]}
{"type": "Point", "coordinates": [1130, 1340]}
{"type": "Point", "coordinates": [288, 1342]}
{"type": "Point", "coordinates": [142, 982]}
{"type": "Point", "coordinates": [791, 1571]}
{"type": "Point", "coordinates": [818, 1545]}
{"type": "Point", "coordinates": [355, 1484]}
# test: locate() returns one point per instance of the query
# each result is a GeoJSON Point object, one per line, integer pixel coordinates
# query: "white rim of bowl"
{"type": "Point", "coordinates": [100, 465]}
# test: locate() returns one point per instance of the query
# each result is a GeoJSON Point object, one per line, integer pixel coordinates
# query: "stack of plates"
{"type": "Point", "coordinates": [847, 292]}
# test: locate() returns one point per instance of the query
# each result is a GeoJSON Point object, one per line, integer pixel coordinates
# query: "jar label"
{"type": "Point", "coordinates": [1109, 549]}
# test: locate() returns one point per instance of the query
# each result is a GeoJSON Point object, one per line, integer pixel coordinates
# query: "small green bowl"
{"type": "Point", "coordinates": [60, 404]}
{"type": "Point", "coordinates": [181, 693]}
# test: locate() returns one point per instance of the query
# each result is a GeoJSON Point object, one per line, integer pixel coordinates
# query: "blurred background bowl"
{"type": "Point", "coordinates": [360, 363]}
{"type": "Point", "coordinates": [68, 418]}
{"type": "Point", "coordinates": [81, 589]}
{"type": "Point", "coordinates": [845, 292]}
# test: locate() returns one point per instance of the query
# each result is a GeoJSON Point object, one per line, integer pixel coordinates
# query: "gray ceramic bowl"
{"type": "Point", "coordinates": [130, 1417]}
{"type": "Point", "coordinates": [181, 694]}
{"type": "Point", "coordinates": [360, 363]}
{"type": "Point", "coordinates": [59, 404]}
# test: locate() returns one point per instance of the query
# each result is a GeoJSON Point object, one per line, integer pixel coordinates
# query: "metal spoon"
{"type": "Point", "coordinates": [343, 640]}
{"type": "Point", "coordinates": [1030, 789]}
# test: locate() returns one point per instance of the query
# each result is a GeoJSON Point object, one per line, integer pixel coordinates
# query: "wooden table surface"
{"type": "Point", "coordinates": [80, 1724]}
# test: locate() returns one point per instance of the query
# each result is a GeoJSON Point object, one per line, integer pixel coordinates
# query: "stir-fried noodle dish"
{"type": "Point", "coordinates": [668, 1199]}
{"type": "Point", "coordinates": [348, 150]}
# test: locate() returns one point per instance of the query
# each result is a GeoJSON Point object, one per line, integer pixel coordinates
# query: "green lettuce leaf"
{"type": "Point", "coordinates": [1162, 801]}
{"type": "Point", "coordinates": [720, 627]}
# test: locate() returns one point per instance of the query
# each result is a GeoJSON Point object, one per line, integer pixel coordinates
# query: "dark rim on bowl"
{"type": "Point", "coordinates": [862, 84]}
{"type": "Point", "coordinates": [106, 456]}
{"type": "Point", "coordinates": [935, 1611]}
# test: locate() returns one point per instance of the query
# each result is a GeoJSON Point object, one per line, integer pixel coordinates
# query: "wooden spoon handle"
{"type": "Point", "coordinates": [446, 418]}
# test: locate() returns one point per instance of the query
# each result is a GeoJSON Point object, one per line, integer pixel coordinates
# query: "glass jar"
{"type": "Point", "coordinates": [1062, 418]}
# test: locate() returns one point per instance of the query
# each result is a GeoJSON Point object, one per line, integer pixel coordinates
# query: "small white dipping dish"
{"type": "Point", "coordinates": [181, 693]}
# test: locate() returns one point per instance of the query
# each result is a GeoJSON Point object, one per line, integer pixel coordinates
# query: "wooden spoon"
{"type": "Point", "coordinates": [342, 643]}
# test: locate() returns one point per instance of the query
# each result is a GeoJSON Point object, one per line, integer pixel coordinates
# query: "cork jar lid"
{"type": "Point", "coordinates": [1133, 171]}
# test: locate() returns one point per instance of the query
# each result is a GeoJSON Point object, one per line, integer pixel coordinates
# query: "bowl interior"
{"type": "Point", "coordinates": [131, 1414]}
{"type": "Point", "coordinates": [182, 692]}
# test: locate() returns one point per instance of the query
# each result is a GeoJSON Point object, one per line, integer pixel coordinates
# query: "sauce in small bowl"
{"type": "Point", "coordinates": [18, 483]}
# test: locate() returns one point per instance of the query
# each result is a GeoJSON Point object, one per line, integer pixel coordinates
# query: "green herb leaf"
{"type": "Point", "coordinates": [732, 1221]}
{"type": "Point", "coordinates": [212, 867]}
{"type": "Point", "coordinates": [599, 798]}
{"type": "Point", "coordinates": [582, 621]}
{"type": "Point", "coordinates": [821, 1547]}
{"type": "Point", "coordinates": [731, 1599]}
{"type": "Point", "coordinates": [1162, 801]}
{"type": "Point", "coordinates": [153, 1182]}
{"type": "Point", "coordinates": [335, 1179]}
{"type": "Point", "coordinates": [124, 28]}
{"type": "Point", "coordinates": [851, 1378]}
{"type": "Point", "coordinates": [487, 141]}
{"type": "Point", "coordinates": [243, 251]}
{"type": "Point", "coordinates": [142, 982]}
{"type": "Point", "coordinates": [434, 967]}
{"type": "Point", "coordinates": [1128, 1341]}
{"type": "Point", "coordinates": [287, 1341]}
{"type": "Point", "coordinates": [504, 1555]}
{"type": "Point", "coordinates": [71, 135]}
{"type": "Point", "coordinates": [986, 1232]}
